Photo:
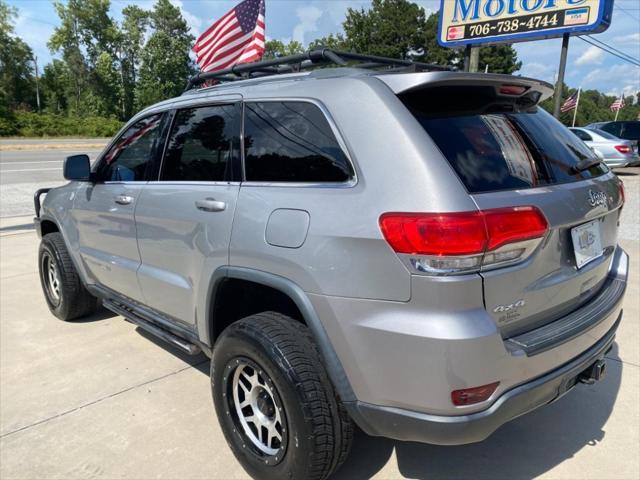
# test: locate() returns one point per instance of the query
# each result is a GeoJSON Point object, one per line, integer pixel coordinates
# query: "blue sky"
{"type": "Point", "coordinates": [587, 66]}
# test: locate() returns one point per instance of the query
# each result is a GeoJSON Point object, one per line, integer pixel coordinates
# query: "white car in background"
{"type": "Point", "coordinates": [616, 152]}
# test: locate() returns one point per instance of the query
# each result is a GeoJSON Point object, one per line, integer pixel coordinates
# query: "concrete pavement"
{"type": "Point", "coordinates": [99, 398]}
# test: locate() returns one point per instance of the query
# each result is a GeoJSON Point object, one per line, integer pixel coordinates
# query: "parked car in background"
{"type": "Point", "coordinates": [614, 151]}
{"type": "Point", "coordinates": [628, 130]}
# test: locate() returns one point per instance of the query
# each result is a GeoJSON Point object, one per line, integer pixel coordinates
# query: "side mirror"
{"type": "Point", "coordinates": [76, 167]}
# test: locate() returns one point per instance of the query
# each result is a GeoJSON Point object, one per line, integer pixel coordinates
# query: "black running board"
{"type": "Point", "coordinates": [152, 328]}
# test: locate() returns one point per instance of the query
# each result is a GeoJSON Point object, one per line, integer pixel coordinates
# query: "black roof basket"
{"type": "Point", "coordinates": [310, 59]}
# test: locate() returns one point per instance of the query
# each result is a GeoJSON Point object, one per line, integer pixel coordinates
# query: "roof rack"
{"type": "Point", "coordinates": [310, 59]}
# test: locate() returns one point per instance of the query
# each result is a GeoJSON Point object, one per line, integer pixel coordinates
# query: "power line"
{"type": "Point", "coordinates": [628, 60]}
{"type": "Point", "coordinates": [630, 57]}
{"type": "Point", "coordinates": [626, 11]}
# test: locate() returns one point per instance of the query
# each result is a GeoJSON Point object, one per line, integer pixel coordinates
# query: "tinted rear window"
{"type": "Point", "coordinates": [502, 151]}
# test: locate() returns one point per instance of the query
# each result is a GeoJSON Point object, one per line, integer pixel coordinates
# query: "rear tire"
{"type": "Point", "coordinates": [66, 296]}
{"type": "Point", "coordinates": [274, 401]}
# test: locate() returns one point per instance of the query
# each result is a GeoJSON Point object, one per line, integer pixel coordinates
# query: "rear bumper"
{"type": "Point", "coordinates": [403, 385]}
{"type": "Point", "coordinates": [407, 425]}
{"type": "Point", "coordinates": [616, 162]}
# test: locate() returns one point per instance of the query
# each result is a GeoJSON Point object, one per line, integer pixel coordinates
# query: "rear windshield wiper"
{"type": "Point", "coordinates": [586, 164]}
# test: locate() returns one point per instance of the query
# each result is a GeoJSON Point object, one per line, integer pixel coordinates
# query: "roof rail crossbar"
{"type": "Point", "coordinates": [310, 59]}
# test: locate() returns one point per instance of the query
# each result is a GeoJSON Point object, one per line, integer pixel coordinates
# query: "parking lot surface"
{"type": "Point", "coordinates": [99, 398]}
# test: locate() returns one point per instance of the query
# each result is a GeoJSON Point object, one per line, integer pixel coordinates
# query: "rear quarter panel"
{"type": "Point", "coordinates": [398, 168]}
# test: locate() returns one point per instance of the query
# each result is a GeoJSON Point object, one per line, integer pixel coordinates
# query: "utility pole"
{"type": "Point", "coordinates": [471, 58]}
{"type": "Point", "coordinates": [35, 62]}
{"type": "Point", "coordinates": [560, 81]}
{"type": "Point", "coordinates": [467, 58]}
{"type": "Point", "coordinates": [474, 59]}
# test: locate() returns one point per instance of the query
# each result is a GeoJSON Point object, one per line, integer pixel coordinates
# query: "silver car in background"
{"type": "Point", "coordinates": [616, 152]}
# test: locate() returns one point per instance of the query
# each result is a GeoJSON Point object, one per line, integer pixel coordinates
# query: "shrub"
{"type": "Point", "coordinates": [30, 124]}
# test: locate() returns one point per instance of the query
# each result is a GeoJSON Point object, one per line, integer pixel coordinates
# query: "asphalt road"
{"type": "Point", "coordinates": [22, 172]}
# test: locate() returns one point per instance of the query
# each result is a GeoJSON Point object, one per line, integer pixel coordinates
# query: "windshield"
{"type": "Point", "coordinates": [502, 151]}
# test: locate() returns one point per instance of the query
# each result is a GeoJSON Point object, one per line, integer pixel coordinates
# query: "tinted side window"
{"type": "Point", "coordinates": [553, 146]}
{"type": "Point", "coordinates": [291, 142]}
{"type": "Point", "coordinates": [612, 128]}
{"type": "Point", "coordinates": [582, 135]}
{"type": "Point", "coordinates": [203, 144]}
{"type": "Point", "coordinates": [631, 130]}
{"type": "Point", "coordinates": [127, 159]}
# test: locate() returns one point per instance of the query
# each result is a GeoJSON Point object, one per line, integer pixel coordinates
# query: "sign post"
{"type": "Point", "coordinates": [560, 81]}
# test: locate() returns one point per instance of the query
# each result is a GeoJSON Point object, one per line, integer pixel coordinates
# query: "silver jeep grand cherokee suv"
{"type": "Point", "coordinates": [424, 253]}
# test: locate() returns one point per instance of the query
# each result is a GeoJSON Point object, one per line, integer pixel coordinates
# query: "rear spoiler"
{"type": "Point", "coordinates": [410, 82]}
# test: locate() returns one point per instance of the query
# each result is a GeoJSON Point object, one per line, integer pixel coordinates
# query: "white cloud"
{"type": "Point", "coordinates": [543, 71]}
{"type": "Point", "coordinates": [308, 16]}
{"type": "Point", "coordinates": [591, 56]}
{"type": "Point", "coordinates": [194, 22]}
{"type": "Point", "coordinates": [609, 79]}
{"type": "Point", "coordinates": [631, 39]}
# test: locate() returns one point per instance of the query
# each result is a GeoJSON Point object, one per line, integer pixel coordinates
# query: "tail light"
{"type": "Point", "coordinates": [512, 90]}
{"type": "Point", "coordinates": [445, 243]}
{"type": "Point", "coordinates": [623, 148]}
{"type": "Point", "coordinates": [469, 396]}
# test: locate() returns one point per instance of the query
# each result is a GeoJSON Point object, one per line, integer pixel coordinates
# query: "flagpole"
{"type": "Point", "coordinates": [575, 111]}
{"type": "Point", "coordinates": [617, 111]}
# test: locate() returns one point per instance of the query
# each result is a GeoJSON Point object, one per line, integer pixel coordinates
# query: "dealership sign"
{"type": "Point", "coordinates": [465, 22]}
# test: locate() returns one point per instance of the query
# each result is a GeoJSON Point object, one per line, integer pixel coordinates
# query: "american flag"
{"type": "Point", "coordinates": [617, 105]}
{"type": "Point", "coordinates": [570, 103]}
{"type": "Point", "coordinates": [238, 37]}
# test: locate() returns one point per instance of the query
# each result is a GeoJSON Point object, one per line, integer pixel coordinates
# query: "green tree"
{"type": "Point", "coordinates": [276, 48]}
{"type": "Point", "coordinates": [391, 28]}
{"type": "Point", "coordinates": [501, 58]}
{"type": "Point", "coordinates": [107, 89]}
{"type": "Point", "coordinates": [594, 107]}
{"type": "Point", "coordinates": [55, 83]}
{"type": "Point", "coordinates": [17, 87]}
{"type": "Point", "coordinates": [165, 63]}
{"type": "Point", "coordinates": [335, 42]}
{"type": "Point", "coordinates": [135, 22]}
{"type": "Point", "coordinates": [86, 31]}
{"type": "Point", "coordinates": [433, 52]}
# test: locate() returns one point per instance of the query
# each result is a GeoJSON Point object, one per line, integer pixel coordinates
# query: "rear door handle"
{"type": "Point", "coordinates": [124, 199]}
{"type": "Point", "coordinates": [210, 205]}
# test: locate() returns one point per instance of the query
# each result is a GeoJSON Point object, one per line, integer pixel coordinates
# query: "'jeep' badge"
{"type": "Point", "coordinates": [597, 198]}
